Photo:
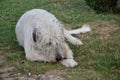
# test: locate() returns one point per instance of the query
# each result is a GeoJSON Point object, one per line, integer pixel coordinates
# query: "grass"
{"type": "Point", "coordinates": [98, 58]}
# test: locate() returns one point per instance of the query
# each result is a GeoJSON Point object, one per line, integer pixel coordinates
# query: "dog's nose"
{"type": "Point", "coordinates": [58, 57]}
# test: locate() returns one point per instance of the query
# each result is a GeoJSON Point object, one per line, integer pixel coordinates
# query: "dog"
{"type": "Point", "coordinates": [44, 37]}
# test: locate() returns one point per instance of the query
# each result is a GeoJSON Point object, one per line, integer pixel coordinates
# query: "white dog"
{"type": "Point", "coordinates": [42, 36]}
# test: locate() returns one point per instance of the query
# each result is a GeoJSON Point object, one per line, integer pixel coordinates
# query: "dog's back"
{"type": "Point", "coordinates": [33, 18]}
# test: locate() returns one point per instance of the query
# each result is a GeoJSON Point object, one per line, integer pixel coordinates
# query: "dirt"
{"type": "Point", "coordinates": [8, 73]}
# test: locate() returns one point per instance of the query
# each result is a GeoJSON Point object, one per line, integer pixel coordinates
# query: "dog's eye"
{"type": "Point", "coordinates": [49, 43]}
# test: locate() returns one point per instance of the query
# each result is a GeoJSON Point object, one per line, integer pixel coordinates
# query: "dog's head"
{"type": "Point", "coordinates": [50, 42]}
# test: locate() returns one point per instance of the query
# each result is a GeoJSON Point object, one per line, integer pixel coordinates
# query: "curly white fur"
{"type": "Point", "coordinates": [42, 36]}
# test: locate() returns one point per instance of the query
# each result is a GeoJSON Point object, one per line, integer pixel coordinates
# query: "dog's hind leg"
{"type": "Point", "coordinates": [72, 39]}
{"type": "Point", "coordinates": [69, 61]}
{"type": "Point", "coordinates": [85, 28]}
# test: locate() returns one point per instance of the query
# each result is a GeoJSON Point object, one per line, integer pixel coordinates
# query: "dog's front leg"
{"type": "Point", "coordinates": [69, 61]}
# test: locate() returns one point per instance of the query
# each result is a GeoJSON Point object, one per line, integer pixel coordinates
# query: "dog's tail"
{"type": "Point", "coordinates": [85, 28]}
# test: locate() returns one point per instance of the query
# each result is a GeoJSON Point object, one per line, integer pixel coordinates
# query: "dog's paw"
{"type": "Point", "coordinates": [78, 42]}
{"type": "Point", "coordinates": [69, 63]}
{"type": "Point", "coordinates": [86, 28]}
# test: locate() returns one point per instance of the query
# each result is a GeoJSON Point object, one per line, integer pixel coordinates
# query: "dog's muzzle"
{"type": "Point", "coordinates": [58, 57]}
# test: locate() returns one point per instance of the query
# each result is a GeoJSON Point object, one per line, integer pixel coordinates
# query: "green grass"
{"type": "Point", "coordinates": [98, 58]}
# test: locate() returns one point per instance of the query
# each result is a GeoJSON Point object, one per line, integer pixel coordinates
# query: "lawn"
{"type": "Point", "coordinates": [98, 58]}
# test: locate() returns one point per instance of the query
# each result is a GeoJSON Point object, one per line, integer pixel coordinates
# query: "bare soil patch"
{"type": "Point", "coordinates": [8, 73]}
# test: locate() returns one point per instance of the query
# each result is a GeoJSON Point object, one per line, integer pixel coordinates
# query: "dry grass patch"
{"type": "Point", "coordinates": [103, 29]}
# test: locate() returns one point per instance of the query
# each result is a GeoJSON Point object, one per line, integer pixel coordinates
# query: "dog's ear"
{"type": "Point", "coordinates": [34, 35]}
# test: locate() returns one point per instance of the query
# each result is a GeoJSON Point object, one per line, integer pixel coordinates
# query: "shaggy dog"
{"type": "Point", "coordinates": [42, 36]}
